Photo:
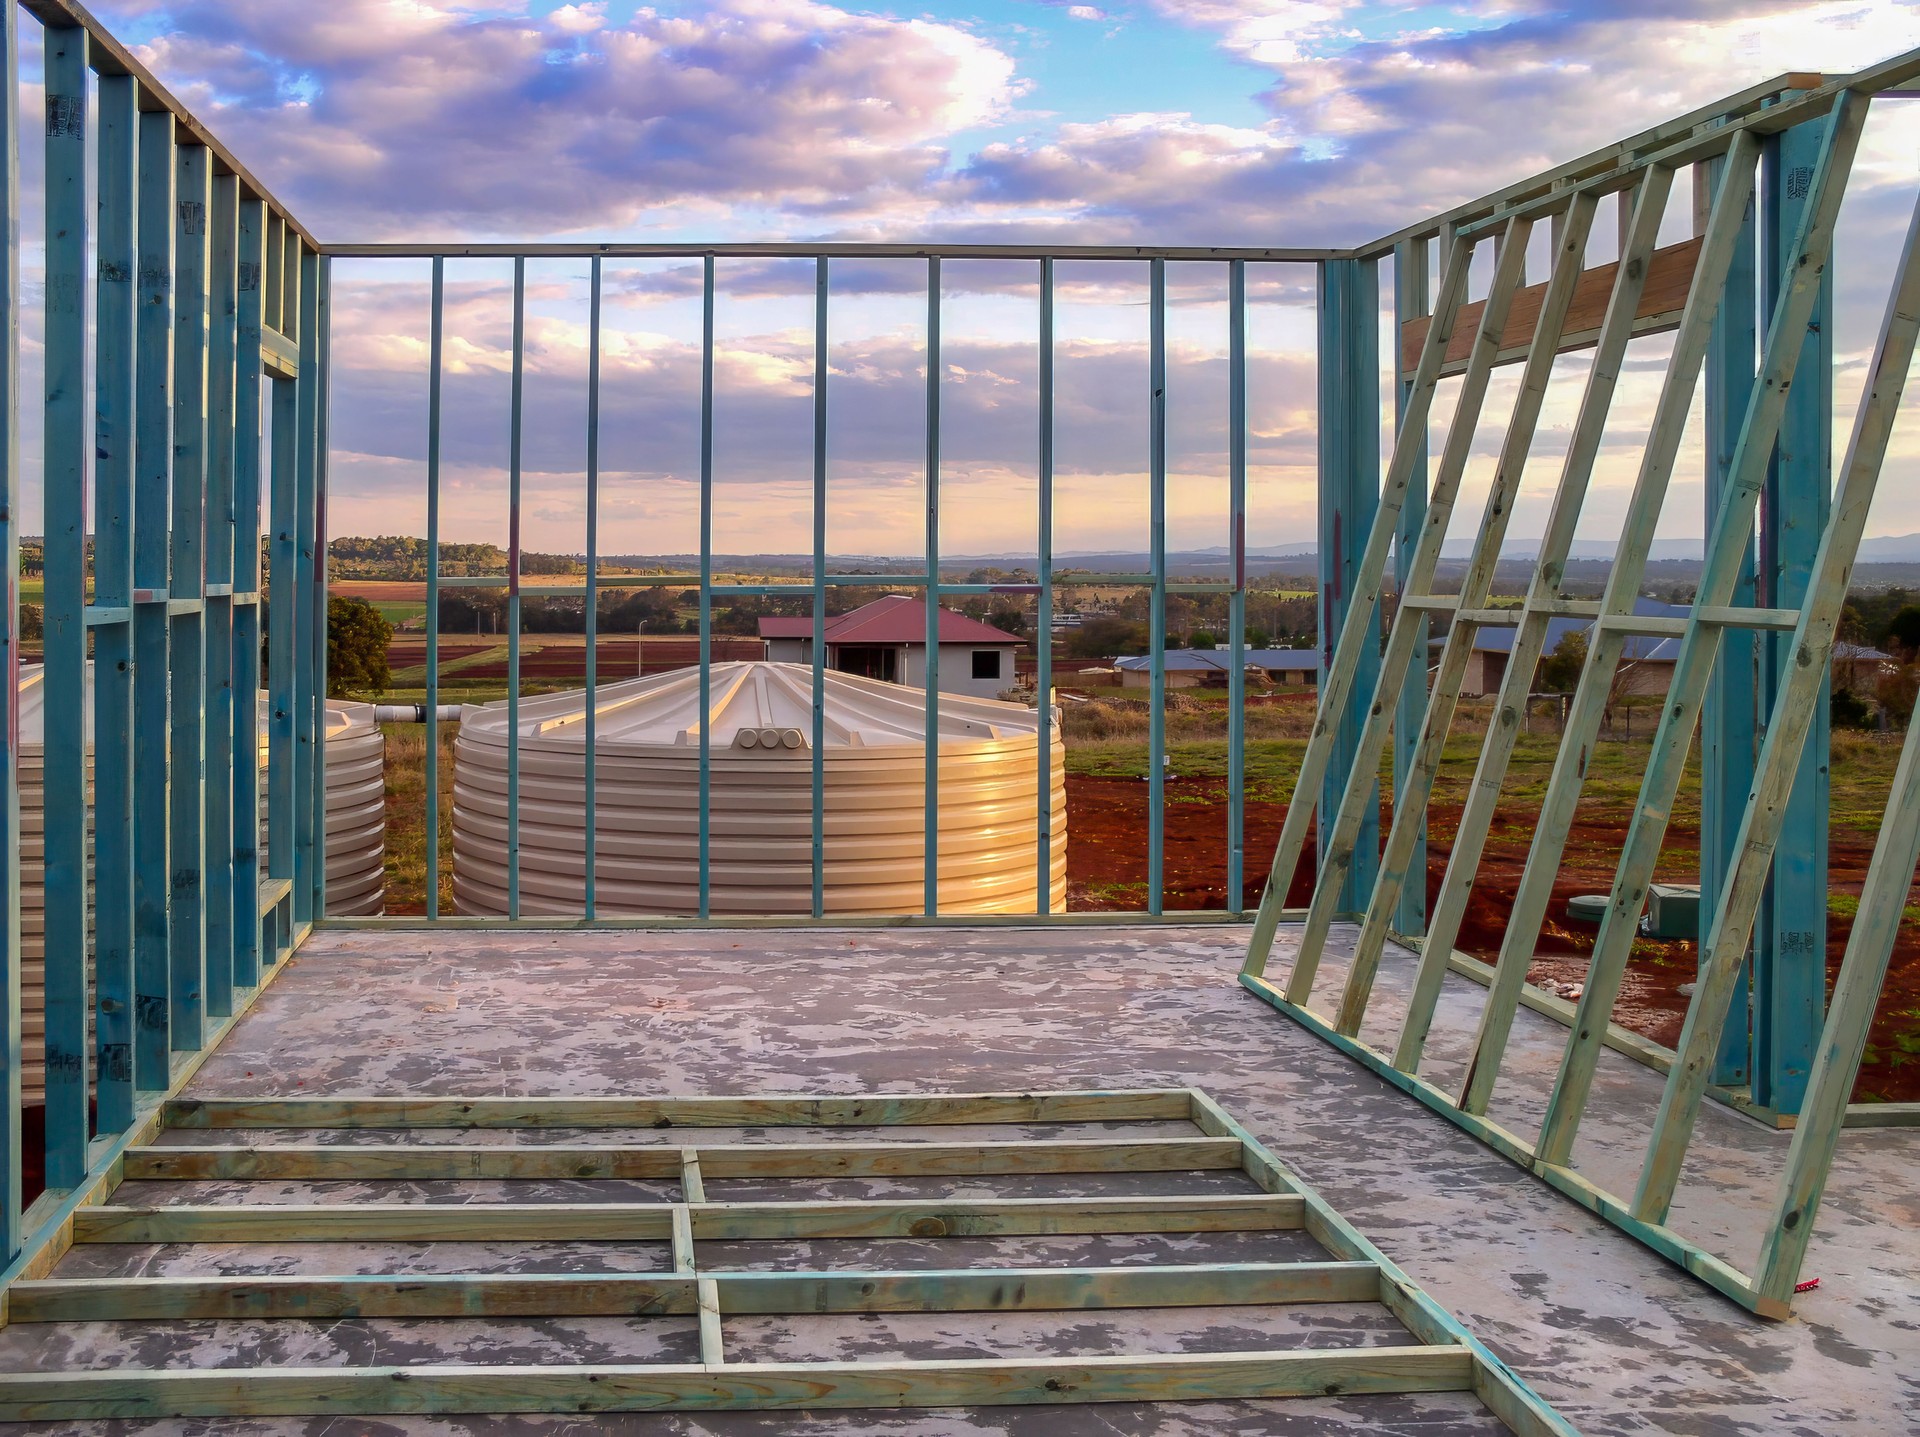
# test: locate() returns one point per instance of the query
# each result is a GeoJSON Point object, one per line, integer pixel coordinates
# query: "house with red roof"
{"type": "Point", "coordinates": [887, 639]}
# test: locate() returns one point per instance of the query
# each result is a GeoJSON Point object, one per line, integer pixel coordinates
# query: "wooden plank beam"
{"type": "Point", "coordinates": [835, 1110]}
{"type": "Point", "coordinates": [250, 1299]}
{"type": "Point", "coordinates": [460, 1161]}
{"type": "Point", "coordinates": [997, 1217]}
{"type": "Point", "coordinates": [653, 1387]}
{"type": "Point", "coordinates": [557, 1294]}
{"type": "Point", "coordinates": [639, 1222]}
{"type": "Point", "coordinates": [1063, 1289]}
{"type": "Point", "coordinates": [1662, 301]}
{"type": "Point", "coordinates": [378, 1222]}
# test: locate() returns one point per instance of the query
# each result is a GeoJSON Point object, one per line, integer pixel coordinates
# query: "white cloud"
{"type": "Point", "coordinates": [377, 117]}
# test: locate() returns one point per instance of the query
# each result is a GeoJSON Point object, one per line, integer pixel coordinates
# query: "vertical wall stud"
{"type": "Point", "coordinates": [706, 586]}
{"type": "Point", "coordinates": [590, 776]}
{"type": "Point", "coordinates": [310, 607]}
{"type": "Point", "coordinates": [1790, 942]}
{"type": "Point", "coordinates": [249, 260]}
{"type": "Point", "coordinates": [931, 815]}
{"type": "Point", "coordinates": [300, 441]}
{"type": "Point", "coordinates": [1043, 630]}
{"type": "Point", "coordinates": [436, 326]}
{"type": "Point", "coordinates": [513, 584]}
{"type": "Point", "coordinates": [1349, 316]}
{"type": "Point", "coordinates": [1237, 601]}
{"type": "Point", "coordinates": [1729, 722]}
{"type": "Point", "coordinates": [1411, 300]}
{"type": "Point", "coordinates": [1157, 565]}
{"type": "Point", "coordinates": [187, 930]}
{"type": "Point", "coordinates": [222, 342]}
{"type": "Point", "coordinates": [818, 713]}
{"type": "Point", "coordinates": [113, 729]}
{"type": "Point", "coordinates": [10, 1140]}
{"type": "Point", "coordinates": [65, 446]}
{"type": "Point", "coordinates": [282, 582]}
{"type": "Point", "coordinates": [152, 499]}
{"type": "Point", "coordinates": [320, 312]}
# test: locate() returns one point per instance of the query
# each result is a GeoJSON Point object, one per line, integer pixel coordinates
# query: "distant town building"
{"type": "Point", "coordinates": [1189, 668]}
{"type": "Point", "coordinates": [1646, 660]}
{"type": "Point", "coordinates": [887, 639]}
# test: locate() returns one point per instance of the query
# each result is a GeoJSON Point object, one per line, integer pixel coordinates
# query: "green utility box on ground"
{"type": "Point", "coordinates": [1673, 911]}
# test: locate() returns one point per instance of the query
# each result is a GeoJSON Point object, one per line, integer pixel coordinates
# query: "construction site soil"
{"type": "Point", "coordinates": [1107, 870]}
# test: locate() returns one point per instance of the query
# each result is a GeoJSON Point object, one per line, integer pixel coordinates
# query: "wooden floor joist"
{"type": "Point", "coordinates": [833, 1111]}
{"type": "Point", "coordinates": [1041, 1289]}
{"type": "Point", "coordinates": [752, 1386]}
{"type": "Point", "coordinates": [1436, 1354]}
{"type": "Point", "coordinates": [784, 1160]}
{"type": "Point", "coordinates": [644, 1222]}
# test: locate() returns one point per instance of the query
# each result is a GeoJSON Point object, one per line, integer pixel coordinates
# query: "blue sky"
{"type": "Point", "coordinates": [1192, 121]}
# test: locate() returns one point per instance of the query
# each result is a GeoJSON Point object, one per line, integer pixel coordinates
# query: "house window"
{"type": "Point", "coordinates": [986, 663]}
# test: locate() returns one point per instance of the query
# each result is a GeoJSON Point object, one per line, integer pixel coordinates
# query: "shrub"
{"type": "Point", "coordinates": [357, 638]}
{"type": "Point", "coordinates": [1849, 710]}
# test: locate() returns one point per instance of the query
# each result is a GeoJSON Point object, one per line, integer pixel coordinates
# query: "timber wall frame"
{"type": "Point", "coordinates": [184, 310]}
{"type": "Point", "coordinates": [1438, 1355]}
{"type": "Point", "coordinates": [207, 318]}
{"type": "Point", "coordinates": [1766, 435]}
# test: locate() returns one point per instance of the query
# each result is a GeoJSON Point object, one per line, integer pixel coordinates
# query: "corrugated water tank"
{"type": "Point", "coordinates": [647, 762]}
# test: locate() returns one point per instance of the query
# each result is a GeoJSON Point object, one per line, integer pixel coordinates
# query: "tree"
{"type": "Point", "coordinates": [1107, 638]}
{"type": "Point", "coordinates": [357, 638]}
{"type": "Point", "coordinates": [1896, 692]}
{"type": "Point", "coordinates": [1008, 617]}
{"type": "Point", "coordinates": [1560, 670]}
{"type": "Point", "coordinates": [1201, 639]}
{"type": "Point", "coordinates": [1903, 629]}
{"type": "Point", "coordinates": [1849, 710]}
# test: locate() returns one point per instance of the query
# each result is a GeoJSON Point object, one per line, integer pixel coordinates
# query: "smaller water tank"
{"type": "Point", "coordinates": [33, 878]}
{"type": "Point", "coordinates": [647, 747]}
{"type": "Point", "coordinates": [356, 820]}
{"type": "Point", "coordinates": [356, 810]}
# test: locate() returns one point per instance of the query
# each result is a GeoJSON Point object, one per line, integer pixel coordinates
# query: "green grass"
{"type": "Point", "coordinates": [1847, 905]}
{"type": "Point", "coordinates": [399, 612]}
{"type": "Point", "coordinates": [1862, 773]}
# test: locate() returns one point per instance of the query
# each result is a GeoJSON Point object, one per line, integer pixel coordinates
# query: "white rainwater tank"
{"type": "Point", "coordinates": [356, 807]}
{"type": "Point", "coordinates": [356, 839]}
{"type": "Point", "coordinates": [33, 878]}
{"type": "Point", "coordinates": [647, 762]}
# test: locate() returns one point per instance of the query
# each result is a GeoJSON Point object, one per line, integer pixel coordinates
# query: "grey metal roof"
{"type": "Point", "coordinates": [1219, 660]}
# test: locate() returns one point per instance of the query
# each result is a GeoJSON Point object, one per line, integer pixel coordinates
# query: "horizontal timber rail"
{"type": "Point", "coordinates": [824, 249]}
{"type": "Point", "coordinates": [1432, 1354]}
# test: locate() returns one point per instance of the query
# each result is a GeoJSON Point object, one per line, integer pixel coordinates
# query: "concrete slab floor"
{"type": "Point", "coordinates": [1619, 1340]}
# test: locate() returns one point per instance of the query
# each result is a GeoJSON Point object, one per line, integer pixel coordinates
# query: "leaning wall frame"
{"type": "Point", "coordinates": [1841, 108]}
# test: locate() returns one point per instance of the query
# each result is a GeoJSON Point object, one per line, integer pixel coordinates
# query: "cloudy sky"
{"type": "Point", "coordinates": [1188, 121]}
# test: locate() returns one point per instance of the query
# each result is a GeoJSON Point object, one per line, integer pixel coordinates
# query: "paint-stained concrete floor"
{"type": "Point", "coordinates": [1619, 1340]}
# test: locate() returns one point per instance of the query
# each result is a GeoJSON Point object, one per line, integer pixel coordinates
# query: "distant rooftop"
{"type": "Point", "coordinates": [895, 619]}
{"type": "Point", "coordinates": [1220, 660]}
